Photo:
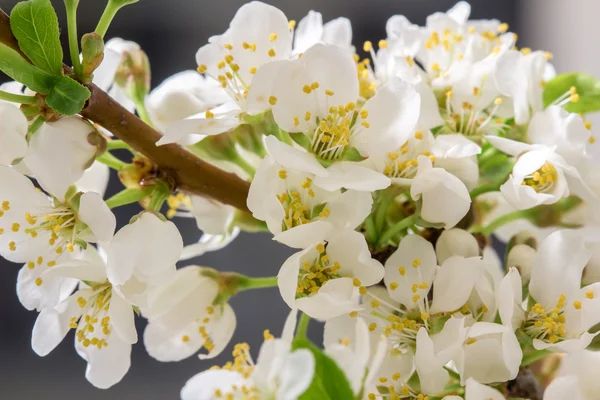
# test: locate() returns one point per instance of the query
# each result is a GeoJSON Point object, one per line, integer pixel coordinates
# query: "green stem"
{"type": "Point", "coordinates": [500, 221]}
{"type": "Point", "coordinates": [34, 126]}
{"type": "Point", "coordinates": [17, 98]}
{"type": "Point", "coordinates": [397, 228]}
{"type": "Point", "coordinates": [244, 165]}
{"type": "Point", "coordinates": [533, 356]}
{"type": "Point", "coordinates": [140, 106]}
{"type": "Point", "coordinates": [127, 196]}
{"type": "Point", "coordinates": [385, 198]}
{"type": "Point", "coordinates": [107, 16]}
{"type": "Point", "coordinates": [302, 327]}
{"type": "Point", "coordinates": [479, 190]}
{"type": "Point", "coordinates": [30, 111]}
{"type": "Point", "coordinates": [456, 389]}
{"type": "Point", "coordinates": [111, 161]}
{"type": "Point", "coordinates": [370, 232]}
{"type": "Point", "coordinates": [260, 283]}
{"type": "Point", "coordinates": [71, 7]}
{"type": "Point", "coordinates": [160, 194]}
{"type": "Point", "coordinates": [117, 144]}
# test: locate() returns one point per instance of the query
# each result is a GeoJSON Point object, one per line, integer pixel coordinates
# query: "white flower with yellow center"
{"type": "Point", "coordinates": [241, 61]}
{"type": "Point", "coordinates": [316, 99]}
{"type": "Point", "coordinates": [454, 153]}
{"type": "Point", "coordinates": [540, 175]}
{"type": "Point", "coordinates": [564, 311]}
{"type": "Point", "coordinates": [298, 212]}
{"type": "Point", "coordinates": [13, 145]}
{"type": "Point", "coordinates": [39, 230]}
{"type": "Point", "coordinates": [111, 288]}
{"type": "Point", "coordinates": [183, 319]}
{"type": "Point", "coordinates": [325, 280]}
{"type": "Point", "coordinates": [311, 30]}
{"type": "Point", "coordinates": [279, 373]}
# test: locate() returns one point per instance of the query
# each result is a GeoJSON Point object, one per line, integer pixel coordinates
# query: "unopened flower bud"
{"type": "Point", "coordinates": [92, 53]}
{"type": "Point", "coordinates": [521, 257]}
{"type": "Point", "coordinates": [133, 74]}
{"type": "Point", "coordinates": [456, 242]}
{"type": "Point", "coordinates": [140, 171]}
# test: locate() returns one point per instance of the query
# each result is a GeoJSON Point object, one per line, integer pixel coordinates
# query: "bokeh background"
{"type": "Point", "coordinates": [171, 31]}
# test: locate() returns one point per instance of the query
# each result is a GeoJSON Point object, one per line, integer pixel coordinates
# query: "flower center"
{"type": "Point", "coordinates": [542, 180]}
{"type": "Point", "coordinates": [367, 84]}
{"type": "Point", "coordinates": [470, 119]}
{"type": "Point", "coordinates": [403, 162]}
{"type": "Point", "coordinates": [297, 204]}
{"type": "Point", "coordinates": [548, 325]}
{"type": "Point", "coordinates": [93, 328]}
{"type": "Point", "coordinates": [332, 135]}
{"type": "Point", "coordinates": [313, 275]}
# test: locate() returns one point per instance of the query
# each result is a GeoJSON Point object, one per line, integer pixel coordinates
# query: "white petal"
{"type": "Point", "coordinates": [122, 318]}
{"type": "Point", "coordinates": [203, 385]}
{"type": "Point", "coordinates": [304, 235]}
{"type": "Point", "coordinates": [296, 375]}
{"type": "Point", "coordinates": [52, 325]}
{"type": "Point", "coordinates": [454, 282]}
{"type": "Point", "coordinates": [179, 131]}
{"type": "Point", "coordinates": [64, 146]}
{"type": "Point", "coordinates": [211, 216]}
{"type": "Point", "coordinates": [564, 387]}
{"type": "Point", "coordinates": [258, 99]}
{"type": "Point", "coordinates": [167, 345]}
{"type": "Point", "coordinates": [14, 125]}
{"type": "Point", "coordinates": [291, 157]}
{"type": "Point", "coordinates": [149, 247]}
{"type": "Point", "coordinates": [308, 32]}
{"type": "Point", "coordinates": [510, 297]}
{"type": "Point", "coordinates": [477, 391]}
{"type": "Point", "coordinates": [94, 179]}
{"type": "Point", "coordinates": [222, 332]}
{"type": "Point", "coordinates": [94, 212]}
{"type": "Point", "coordinates": [208, 243]}
{"type": "Point", "coordinates": [431, 372]}
{"type": "Point", "coordinates": [338, 32]}
{"type": "Point", "coordinates": [352, 176]}
{"type": "Point", "coordinates": [108, 366]}
{"type": "Point", "coordinates": [456, 242]}
{"type": "Point", "coordinates": [335, 298]}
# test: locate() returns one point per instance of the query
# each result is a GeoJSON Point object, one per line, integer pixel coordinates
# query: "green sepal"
{"type": "Point", "coordinates": [67, 97]}
{"type": "Point", "coordinates": [329, 381]}
{"type": "Point", "coordinates": [35, 25]}
{"type": "Point", "coordinates": [588, 89]}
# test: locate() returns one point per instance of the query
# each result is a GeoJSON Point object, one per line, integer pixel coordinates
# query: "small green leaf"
{"type": "Point", "coordinates": [588, 89]}
{"type": "Point", "coordinates": [329, 382]}
{"type": "Point", "coordinates": [67, 97]}
{"type": "Point", "coordinates": [15, 66]}
{"type": "Point", "coordinates": [35, 25]}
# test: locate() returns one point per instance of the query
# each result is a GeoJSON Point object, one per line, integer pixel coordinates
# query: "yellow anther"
{"type": "Point", "coordinates": [419, 135]}
{"type": "Point", "coordinates": [51, 263]}
{"type": "Point", "coordinates": [393, 285]}
{"type": "Point", "coordinates": [383, 44]}
{"type": "Point", "coordinates": [362, 290]}
{"type": "Point", "coordinates": [272, 100]}
{"type": "Point", "coordinates": [589, 294]}
{"type": "Point", "coordinates": [503, 27]}
{"type": "Point", "coordinates": [6, 205]}
{"type": "Point", "coordinates": [367, 46]}
{"type": "Point", "coordinates": [587, 124]}
{"type": "Point", "coordinates": [372, 326]}
{"type": "Point", "coordinates": [253, 70]}
{"type": "Point", "coordinates": [353, 314]}
{"type": "Point", "coordinates": [577, 304]}
{"type": "Point", "coordinates": [548, 55]}
{"type": "Point", "coordinates": [38, 281]}
{"type": "Point", "coordinates": [292, 24]}
{"type": "Point", "coordinates": [498, 101]}
{"type": "Point", "coordinates": [271, 53]}
{"type": "Point", "coordinates": [282, 173]}
{"type": "Point", "coordinates": [416, 262]}
{"type": "Point", "coordinates": [435, 67]}
{"type": "Point", "coordinates": [329, 92]}
{"type": "Point", "coordinates": [402, 271]}
{"type": "Point", "coordinates": [15, 227]}
{"type": "Point", "coordinates": [267, 335]}
{"type": "Point", "coordinates": [470, 340]}
{"type": "Point", "coordinates": [296, 121]}
{"type": "Point", "coordinates": [574, 98]}
{"type": "Point", "coordinates": [525, 51]}
{"type": "Point", "coordinates": [202, 68]}
{"type": "Point", "coordinates": [228, 46]}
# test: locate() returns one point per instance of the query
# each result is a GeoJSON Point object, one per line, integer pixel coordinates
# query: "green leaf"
{"type": "Point", "coordinates": [67, 97]}
{"type": "Point", "coordinates": [588, 89]}
{"type": "Point", "coordinates": [35, 25]}
{"type": "Point", "coordinates": [329, 382]}
{"type": "Point", "coordinates": [19, 69]}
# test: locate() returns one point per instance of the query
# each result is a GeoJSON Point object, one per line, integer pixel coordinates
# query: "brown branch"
{"type": "Point", "coordinates": [188, 172]}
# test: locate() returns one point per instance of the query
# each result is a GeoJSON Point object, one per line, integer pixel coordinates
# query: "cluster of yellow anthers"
{"type": "Point", "coordinates": [178, 202]}
{"type": "Point", "coordinates": [208, 343]}
{"type": "Point", "coordinates": [542, 180]}
{"type": "Point", "coordinates": [403, 162]}
{"type": "Point", "coordinates": [472, 119]}
{"type": "Point", "coordinates": [297, 208]}
{"type": "Point", "coordinates": [95, 327]}
{"type": "Point", "coordinates": [404, 393]}
{"type": "Point", "coordinates": [314, 274]}
{"type": "Point", "coordinates": [367, 85]}
{"type": "Point", "coordinates": [332, 134]}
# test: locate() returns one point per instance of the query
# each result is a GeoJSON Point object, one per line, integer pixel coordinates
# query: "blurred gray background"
{"type": "Point", "coordinates": [171, 32]}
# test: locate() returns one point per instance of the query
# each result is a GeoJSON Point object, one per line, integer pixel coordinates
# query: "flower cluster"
{"type": "Point", "coordinates": [387, 168]}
